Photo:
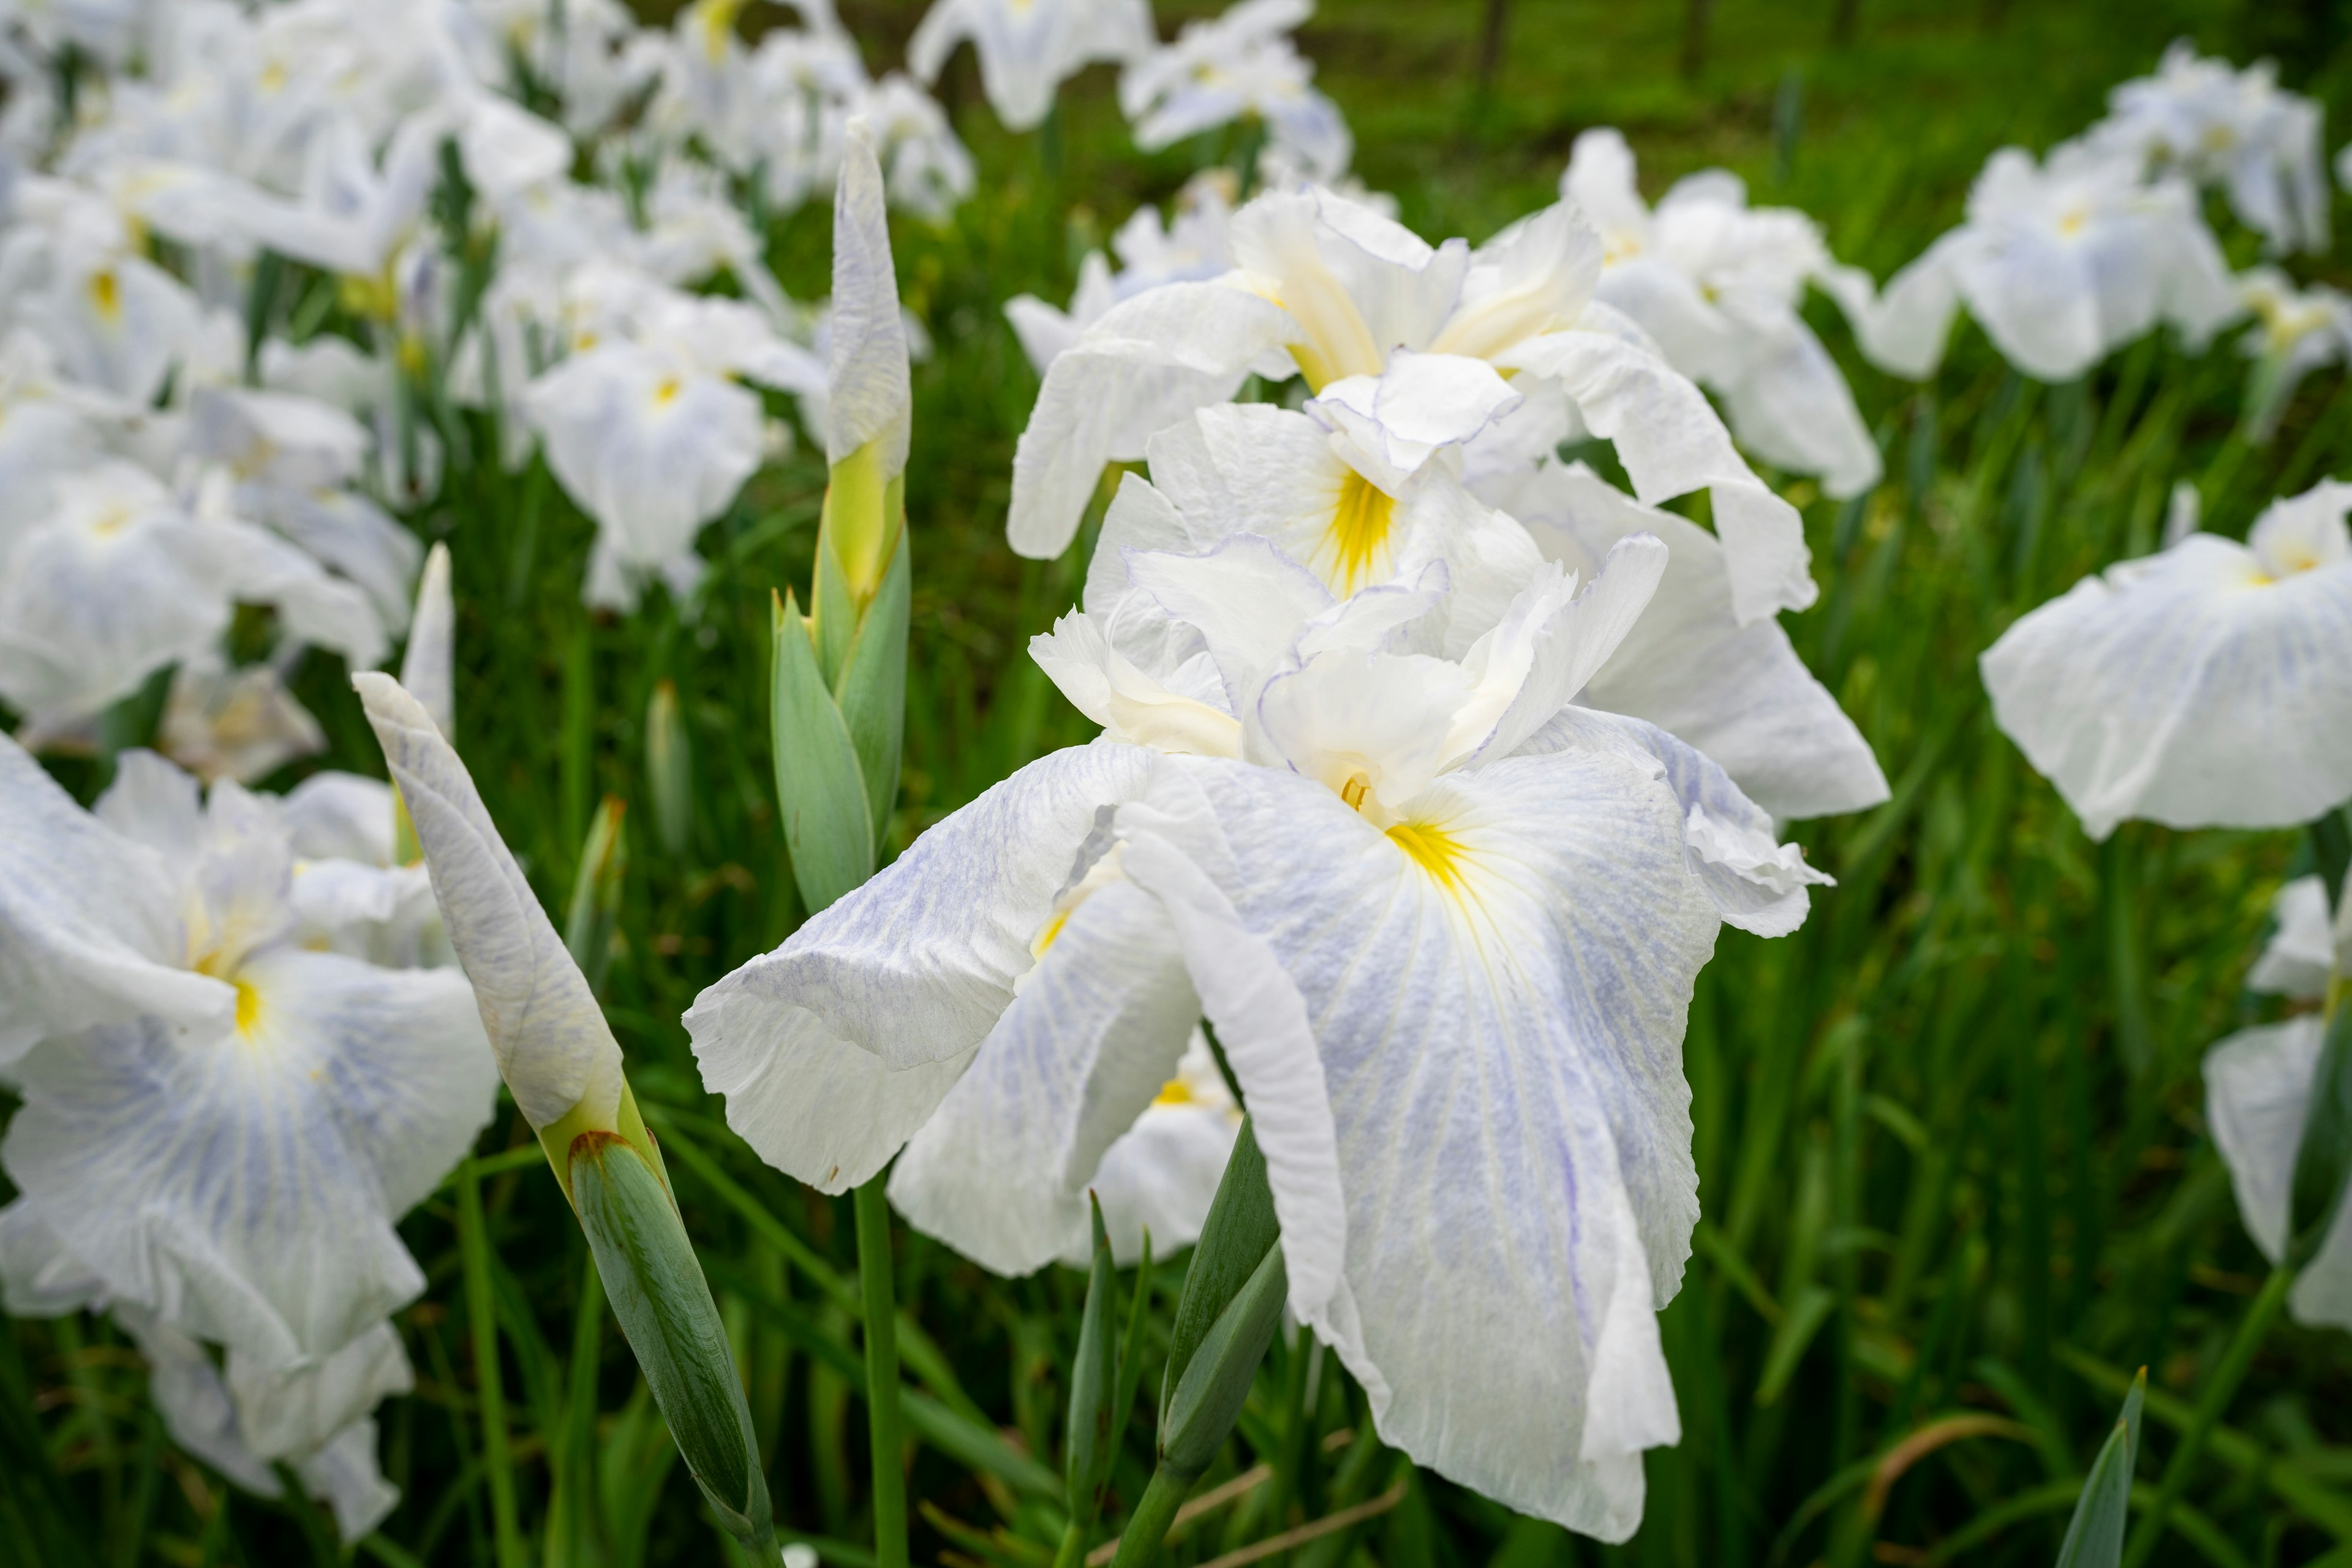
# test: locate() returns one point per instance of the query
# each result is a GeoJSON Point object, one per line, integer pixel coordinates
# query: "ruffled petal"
{"type": "Point", "coordinates": [1737, 693]}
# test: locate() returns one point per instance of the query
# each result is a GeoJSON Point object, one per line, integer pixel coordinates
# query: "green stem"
{"type": "Point", "coordinates": [2210, 1405]}
{"type": "Point", "coordinates": [882, 1376]}
{"type": "Point", "coordinates": [481, 1310]}
{"type": "Point", "coordinates": [1139, 1543]}
{"type": "Point", "coordinates": [1073, 1550]}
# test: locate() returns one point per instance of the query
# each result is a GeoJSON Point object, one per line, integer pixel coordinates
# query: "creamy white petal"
{"type": "Point", "coordinates": [1737, 693]}
{"type": "Point", "coordinates": [554, 1047]}
{"type": "Point", "coordinates": [1502, 1053]}
{"type": "Point", "coordinates": [2190, 688]}
{"type": "Point", "coordinates": [339, 815]}
{"type": "Point", "coordinates": [2257, 1094]}
{"type": "Point", "coordinates": [1161, 1175]}
{"type": "Point", "coordinates": [243, 1182]}
{"type": "Point", "coordinates": [427, 666]}
{"type": "Point", "coordinates": [292, 1412]}
{"type": "Point", "coordinates": [1789, 404]}
{"type": "Point", "coordinates": [833, 1049]}
{"type": "Point", "coordinates": [90, 928]}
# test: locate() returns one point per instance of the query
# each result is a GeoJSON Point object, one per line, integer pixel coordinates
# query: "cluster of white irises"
{"type": "Point", "coordinates": [1430, 764]}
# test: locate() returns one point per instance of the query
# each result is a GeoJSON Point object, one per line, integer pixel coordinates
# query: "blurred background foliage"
{"type": "Point", "coordinates": [1955, 1178]}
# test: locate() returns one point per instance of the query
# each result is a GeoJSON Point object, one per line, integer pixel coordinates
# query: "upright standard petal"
{"type": "Point", "coordinates": [833, 1049]}
{"type": "Point", "coordinates": [553, 1047]}
{"type": "Point", "coordinates": [867, 396]}
{"type": "Point", "coordinates": [2202, 686]}
{"type": "Point", "coordinates": [427, 667]}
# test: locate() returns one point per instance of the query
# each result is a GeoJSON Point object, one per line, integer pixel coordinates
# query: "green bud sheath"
{"type": "Point", "coordinates": [669, 771]}
{"type": "Point", "coordinates": [664, 1307]}
{"type": "Point", "coordinates": [820, 785]}
{"type": "Point", "coordinates": [1095, 1421]}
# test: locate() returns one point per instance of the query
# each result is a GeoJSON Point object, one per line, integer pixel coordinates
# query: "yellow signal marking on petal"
{"type": "Point", "coordinates": [2075, 222]}
{"type": "Point", "coordinates": [1360, 530]}
{"type": "Point", "coordinates": [1435, 851]}
{"type": "Point", "coordinates": [1047, 932]}
{"type": "Point", "coordinates": [666, 392]}
{"type": "Point", "coordinates": [105, 295]}
{"type": "Point", "coordinates": [1173, 1092]}
{"type": "Point", "coordinates": [249, 1008]}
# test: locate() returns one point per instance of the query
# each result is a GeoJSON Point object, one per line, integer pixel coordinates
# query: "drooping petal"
{"type": "Point", "coordinates": [90, 928]}
{"type": "Point", "coordinates": [1001, 1168]}
{"type": "Point", "coordinates": [833, 1049]}
{"type": "Point", "coordinates": [2257, 1094]}
{"type": "Point", "coordinates": [2302, 952]}
{"type": "Point", "coordinates": [1498, 995]}
{"type": "Point", "coordinates": [1161, 1175]}
{"type": "Point", "coordinates": [2190, 687]}
{"type": "Point", "coordinates": [554, 1049]}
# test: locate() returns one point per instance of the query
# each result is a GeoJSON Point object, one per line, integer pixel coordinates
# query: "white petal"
{"type": "Point", "coordinates": [1670, 442]}
{"type": "Point", "coordinates": [1162, 1173]}
{"type": "Point", "coordinates": [833, 1049]}
{"type": "Point", "coordinates": [244, 1181]}
{"type": "Point", "coordinates": [1503, 1064]}
{"type": "Point", "coordinates": [1737, 693]}
{"type": "Point", "coordinates": [1790, 405]}
{"type": "Point", "coordinates": [2302, 952]}
{"type": "Point", "coordinates": [89, 931]}
{"type": "Point", "coordinates": [2188, 687]}
{"type": "Point", "coordinates": [292, 1412]}
{"type": "Point", "coordinates": [999, 1171]}
{"type": "Point", "coordinates": [340, 816]}
{"type": "Point", "coordinates": [1246, 598]}
{"type": "Point", "coordinates": [1143, 366]}
{"type": "Point", "coordinates": [2258, 1087]}
{"type": "Point", "coordinates": [553, 1047]}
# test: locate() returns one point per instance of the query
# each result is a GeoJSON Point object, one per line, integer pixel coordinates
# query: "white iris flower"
{"type": "Point", "coordinates": [1191, 248]}
{"type": "Point", "coordinates": [1028, 47]}
{"type": "Point", "coordinates": [220, 1127]}
{"type": "Point", "coordinates": [2201, 687]}
{"type": "Point", "coordinates": [2060, 262]}
{"type": "Point", "coordinates": [1161, 1175]}
{"type": "Point", "coordinates": [1339, 288]}
{"type": "Point", "coordinates": [2301, 949]}
{"type": "Point", "coordinates": [1241, 64]}
{"type": "Point", "coordinates": [1444, 924]}
{"type": "Point", "coordinates": [1716, 285]}
{"type": "Point", "coordinates": [2235, 128]}
{"type": "Point", "coordinates": [2296, 330]}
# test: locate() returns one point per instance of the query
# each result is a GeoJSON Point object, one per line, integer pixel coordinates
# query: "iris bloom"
{"type": "Point", "coordinates": [1028, 47]}
{"type": "Point", "coordinates": [2301, 949]}
{"type": "Point", "coordinates": [647, 424]}
{"type": "Point", "coordinates": [2198, 687]}
{"type": "Point", "coordinates": [1716, 285]}
{"type": "Point", "coordinates": [1159, 1177]}
{"type": "Point", "coordinates": [1445, 923]}
{"type": "Point", "coordinates": [220, 1127]}
{"type": "Point", "coordinates": [2236, 129]}
{"type": "Point", "coordinates": [1338, 290]}
{"type": "Point", "coordinates": [2296, 330]}
{"type": "Point", "coordinates": [1240, 64]}
{"type": "Point", "coordinates": [2060, 263]}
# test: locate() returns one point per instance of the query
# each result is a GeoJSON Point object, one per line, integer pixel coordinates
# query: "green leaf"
{"type": "Point", "coordinates": [669, 771]}
{"type": "Point", "coordinates": [2323, 1161]}
{"type": "Point", "coordinates": [2096, 1538]}
{"type": "Point", "coordinates": [1208, 1399]}
{"type": "Point", "coordinates": [1095, 1420]}
{"type": "Point", "coordinates": [1235, 1239]}
{"type": "Point", "coordinates": [828, 825]}
{"type": "Point", "coordinates": [594, 914]}
{"type": "Point", "coordinates": [664, 1307]}
{"type": "Point", "coordinates": [1805, 1317]}
{"type": "Point", "coordinates": [871, 690]}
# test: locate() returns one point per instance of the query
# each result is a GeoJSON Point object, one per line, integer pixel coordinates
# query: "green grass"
{"type": "Point", "coordinates": [1949, 1134]}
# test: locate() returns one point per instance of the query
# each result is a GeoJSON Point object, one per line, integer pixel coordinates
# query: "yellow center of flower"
{"type": "Point", "coordinates": [666, 392]}
{"type": "Point", "coordinates": [248, 1008]}
{"type": "Point", "coordinates": [2074, 223]}
{"type": "Point", "coordinates": [106, 296]}
{"type": "Point", "coordinates": [1352, 792]}
{"type": "Point", "coordinates": [1357, 543]}
{"type": "Point", "coordinates": [1435, 851]}
{"type": "Point", "coordinates": [1173, 1092]}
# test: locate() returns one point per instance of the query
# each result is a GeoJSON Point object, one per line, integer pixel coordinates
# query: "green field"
{"type": "Point", "coordinates": [1956, 1179]}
